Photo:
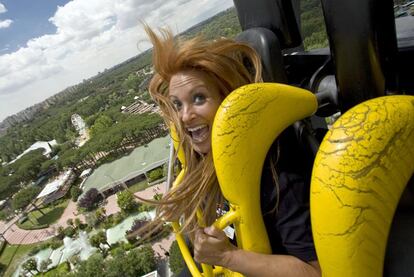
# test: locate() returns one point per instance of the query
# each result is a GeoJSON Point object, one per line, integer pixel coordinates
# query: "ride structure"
{"type": "Point", "coordinates": [366, 159]}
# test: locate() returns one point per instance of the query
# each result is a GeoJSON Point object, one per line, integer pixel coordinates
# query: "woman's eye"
{"type": "Point", "coordinates": [177, 105]}
{"type": "Point", "coordinates": [199, 99]}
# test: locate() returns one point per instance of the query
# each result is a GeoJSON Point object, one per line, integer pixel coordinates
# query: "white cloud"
{"type": "Point", "coordinates": [5, 23]}
{"type": "Point", "coordinates": [91, 36]}
{"type": "Point", "coordinates": [2, 8]}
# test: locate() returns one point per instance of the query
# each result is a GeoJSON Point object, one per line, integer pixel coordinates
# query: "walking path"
{"type": "Point", "coordinates": [162, 247]}
{"type": "Point", "coordinates": [16, 235]}
{"type": "Point", "coordinates": [111, 205]}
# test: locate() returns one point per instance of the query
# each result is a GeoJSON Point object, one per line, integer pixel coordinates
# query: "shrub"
{"type": "Point", "coordinates": [35, 250]}
{"type": "Point", "coordinates": [55, 244]}
{"type": "Point", "coordinates": [36, 227]}
{"type": "Point", "coordinates": [69, 231]}
{"type": "Point", "coordinates": [77, 223]}
{"type": "Point", "coordinates": [155, 174]}
{"type": "Point", "coordinates": [75, 192]}
{"type": "Point", "coordinates": [45, 264]}
{"type": "Point", "coordinates": [126, 201]}
{"type": "Point", "coordinates": [100, 214]}
{"type": "Point", "coordinates": [60, 232]}
{"type": "Point", "coordinates": [158, 196]}
{"type": "Point", "coordinates": [98, 239]}
{"type": "Point", "coordinates": [145, 208]}
{"type": "Point", "coordinates": [127, 246]}
{"type": "Point", "coordinates": [177, 263]}
{"type": "Point", "coordinates": [109, 222]}
{"type": "Point", "coordinates": [94, 218]}
{"type": "Point", "coordinates": [118, 217]}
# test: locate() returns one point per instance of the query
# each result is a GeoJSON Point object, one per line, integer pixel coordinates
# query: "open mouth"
{"type": "Point", "coordinates": [199, 133]}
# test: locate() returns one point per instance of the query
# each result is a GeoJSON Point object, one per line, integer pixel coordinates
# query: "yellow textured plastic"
{"type": "Point", "coordinates": [245, 126]}
{"type": "Point", "coordinates": [360, 171]}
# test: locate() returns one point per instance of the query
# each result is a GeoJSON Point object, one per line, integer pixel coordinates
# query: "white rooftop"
{"type": "Point", "coordinates": [85, 172]}
{"type": "Point", "coordinates": [38, 144]}
{"type": "Point", "coordinates": [55, 185]}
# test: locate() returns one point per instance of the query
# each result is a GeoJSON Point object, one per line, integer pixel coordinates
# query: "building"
{"type": "Point", "coordinates": [57, 188]}
{"type": "Point", "coordinates": [140, 107]}
{"type": "Point", "coordinates": [126, 171]}
{"type": "Point", "coordinates": [46, 145]}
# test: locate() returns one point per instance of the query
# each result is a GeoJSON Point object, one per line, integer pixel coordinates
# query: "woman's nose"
{"type": "Point", "coordinates": [187, 114]}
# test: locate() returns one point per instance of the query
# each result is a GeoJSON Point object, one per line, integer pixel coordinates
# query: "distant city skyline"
{"type": "Point", "coordinates": [46, 46]}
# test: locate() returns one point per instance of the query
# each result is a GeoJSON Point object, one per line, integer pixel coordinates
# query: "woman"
{"type": "Point", "coordinates": [191, 80]}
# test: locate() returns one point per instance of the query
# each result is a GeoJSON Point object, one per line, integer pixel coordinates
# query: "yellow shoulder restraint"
{"type": "Point", "coordinates": [360, 171]}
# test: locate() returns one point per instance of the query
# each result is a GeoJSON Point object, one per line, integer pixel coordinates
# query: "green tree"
{"type": "Point", "coordinates": [137, 262]}
{"type": "Point", "coordinates": [27, 167]}
{"type": "Point", "coordinates": [177, 263]}
{"type": "Point", "coordinates": [45, 264]}
{"type": "Point", "coordinates": [98, 239]}
{"type": "Point", "coordinates": [30, 265]}
{"type": "Point", "coordinates": [132, 82]}
{"type": "Point", "coordinates": [100, 214]}
{"type": "Point", "coordinates": [102, 123]}
{"type": "Point", "coordinates": [116, 266]}
{"type": "Point", "coordinates": [69, 231]}
{"type": "Point", "coordinates": [8, 186]}
{"type": "Point", "coordinates": [3, 215]}
{"type": "Point", "coordinates": [24, 197]}
{"type": "Point", "coordinates": [75, 192]}
{"type": "Point", "coordinates": [141, 261]}
{"type": "Point", "coordinates": [92, 267]}
{"type": "Point", "coordinates": [90, 199]}
{"type": "Point", "coordinates": [126, 201]}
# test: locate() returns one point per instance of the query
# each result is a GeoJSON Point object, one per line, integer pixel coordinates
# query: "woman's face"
{"type": "Point", "coordinates": [196, 101]}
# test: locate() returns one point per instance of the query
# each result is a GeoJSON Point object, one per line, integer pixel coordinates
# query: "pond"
{"type": "Point", "coordinates": [117, 233]}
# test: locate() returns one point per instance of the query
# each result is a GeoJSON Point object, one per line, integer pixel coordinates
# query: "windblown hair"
{"type": "Point", "coordinates": [228, 65]}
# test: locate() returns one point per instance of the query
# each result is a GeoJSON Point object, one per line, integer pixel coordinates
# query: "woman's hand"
{"type": "Point", "coordinates": [211, 246]}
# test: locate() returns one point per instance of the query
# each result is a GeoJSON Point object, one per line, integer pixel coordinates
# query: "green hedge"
{"type": "Point", "coordinates": [36, 227]}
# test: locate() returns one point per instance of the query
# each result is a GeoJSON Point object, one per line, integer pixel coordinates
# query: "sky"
{"type": "Point", "coordinates": [48, 45]}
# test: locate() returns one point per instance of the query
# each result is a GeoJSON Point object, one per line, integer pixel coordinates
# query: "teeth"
{"type": "Point", "coordinates": [196, 128]}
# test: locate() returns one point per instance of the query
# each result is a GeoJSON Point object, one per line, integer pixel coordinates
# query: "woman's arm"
{"type": "Point", "coordinates": [211, 246]}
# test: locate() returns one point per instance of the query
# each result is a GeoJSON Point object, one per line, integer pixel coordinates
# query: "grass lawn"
{"type": "Point", "coordinates": [51, 214]}
{"type": "Point", "coordinates": [13, 255]}
{"type": "Point", "coordinates": [138, 186]}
